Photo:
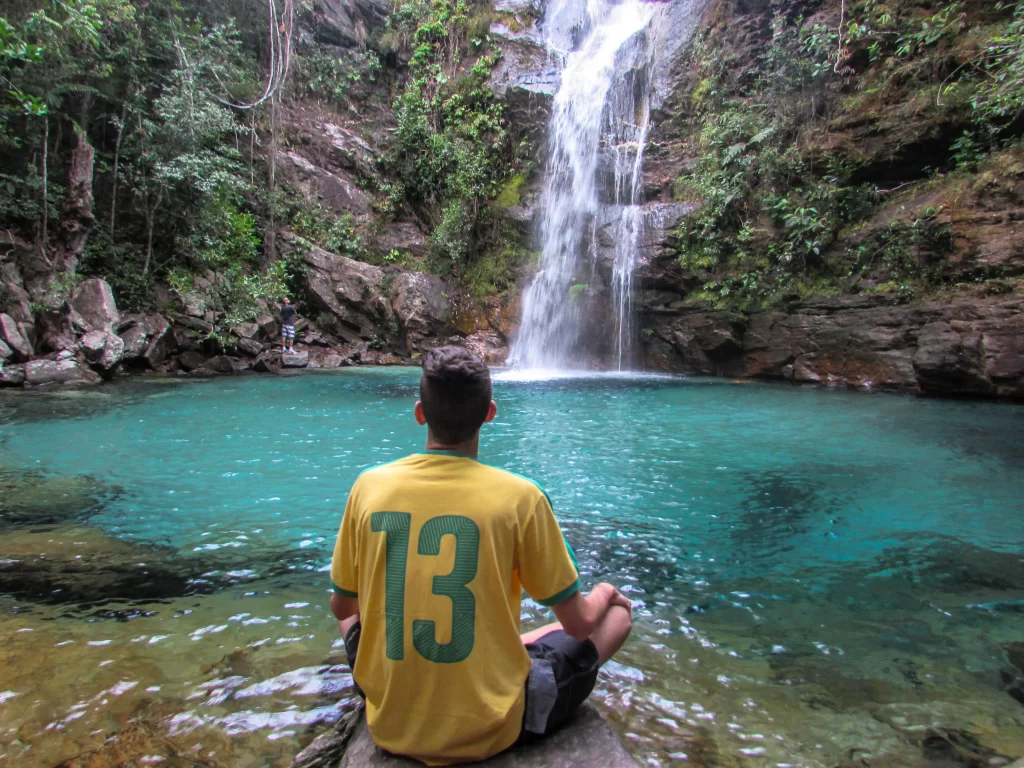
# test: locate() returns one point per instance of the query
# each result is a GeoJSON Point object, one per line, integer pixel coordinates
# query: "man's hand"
{"type": "Point", "coordinates": [620, 599]}
{"type": "Point", "coordinates": [579, 615]}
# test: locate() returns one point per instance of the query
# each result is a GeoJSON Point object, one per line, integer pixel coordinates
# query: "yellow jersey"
{"type": "Point", "coordinates": [438, 548]}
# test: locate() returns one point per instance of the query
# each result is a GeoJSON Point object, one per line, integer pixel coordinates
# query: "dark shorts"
{"type": "Point", "coordinates": [562, 675]}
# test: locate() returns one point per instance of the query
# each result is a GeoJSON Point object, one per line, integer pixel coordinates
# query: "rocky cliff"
{"type": "Point", "coordinates": [821, 205]}
{"type": "Point", "coordinates": [836, 232]}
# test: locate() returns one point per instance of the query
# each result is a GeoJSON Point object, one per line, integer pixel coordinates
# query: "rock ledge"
{"type": "Point", "coordinates": [586, 742]}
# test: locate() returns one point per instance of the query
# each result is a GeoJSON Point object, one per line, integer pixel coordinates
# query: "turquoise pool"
{"type": "Point", "coordinates": [819, 576]}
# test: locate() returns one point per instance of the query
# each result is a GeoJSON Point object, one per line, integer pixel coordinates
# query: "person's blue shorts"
{"type": "Point", "coordinates": [288, 332]}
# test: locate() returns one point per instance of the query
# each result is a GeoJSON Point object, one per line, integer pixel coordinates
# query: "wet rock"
{"type": "Point", "coordinates": [423, 309]}
{"type": "Point", "coordinates": [81, 565]}
{"type": "Point", "coordinates": [5, 352]}
{"type": "Point", "coordinates": [65, 372]}
{"type": "Point", "coordinates": [295, 360]}
{"type": "Point", "coordinates": [32, 498]}
{"type": "Point", "coordinates": [489, 346]}
{"type": "Point", "coordinates": [528, 74]}
{"type": "Point", "coordinates": [93, 300]}
{"type": "Point", "coordinates": [13, 338]}
{"type": "Point", "coordinates": [12, 375]}
{"type": "Point", "coordinates": [586, 742]}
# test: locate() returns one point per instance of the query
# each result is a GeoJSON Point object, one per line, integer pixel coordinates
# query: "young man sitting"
{"type": "Point", "coordinates": [432, 557]}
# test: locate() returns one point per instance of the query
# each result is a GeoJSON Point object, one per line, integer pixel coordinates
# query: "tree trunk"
{"type": "Point", "coordinates": [45, 170]}
{"type": "Point", "coordinates": [270, 242]}
{"type": "Point", "coordinates": [117, 162]}
{"type": "Point", "coordinates": [77, 216]}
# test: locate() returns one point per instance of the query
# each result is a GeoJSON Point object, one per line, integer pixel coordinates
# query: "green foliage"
{"type": "Point", "coordinates": [766, 216]}
{"type": "Point", "coordinates": [770, 208]}
{"type": "Point", "coordinates": [325, 76]}
{"type": "Point", "coordinates": [336, 234]}
{"type": "Point", "coordinates": [452, 148]}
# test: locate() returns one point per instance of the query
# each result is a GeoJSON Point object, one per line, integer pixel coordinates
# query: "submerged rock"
{"type": "Point", "coordinates": [587, 742]}
{"type": "Point", "coordinates": [81, 565]}
{"type": "Point", "coordinates": [38, 499]}
{"type": "Point", "coordinates": [138, 744]}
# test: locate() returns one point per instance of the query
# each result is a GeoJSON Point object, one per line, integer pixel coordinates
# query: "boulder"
{"type": "Point", "coordinates": [246, 330]}
{"type": "Point", "coordinates": [332, 361]}
{"type": "Point", "coordinates": [947, 362]}
{"type": "Point", "coordinates": [424, 311]}
{"type": "Point", "coordinates": [220, 364]}
{"type": "Point", "coordinates": [349, 292]}
{"type": "Point", "coordinates": [586, 742]}
{"type": "Point", "coordinates": [66, 372]}
{"type": "Point", "coordinates": [12, 375]}
{"type": "Point", "coordinates": [13, 338]}
{"type": "Point", "coordinates": [103, 350]}
{"type": "Point", "coordinates": [191, 360]}
{"type": "Point", "coordinates": [249, 347]}
{"type": "Point", "coordinates": [148, 340]}
{"type": "Point", "coordinates": [338, 190]}
{"type": "Point", "coordinates": [489, 346]}
{"type": "Point", "coordinates": [343, 23]}
{"type": "Point", "coordinates": [93, 300]}
{"type": "Point", "coordinates": [5, 352]}
{"type": "Point", "coordinates": [296, 360]}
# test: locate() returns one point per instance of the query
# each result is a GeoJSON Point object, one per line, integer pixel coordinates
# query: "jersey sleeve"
{"type": "Point", "coordinates": [345, 563]}
{"type": "Point", "coordinates": [547, 564]}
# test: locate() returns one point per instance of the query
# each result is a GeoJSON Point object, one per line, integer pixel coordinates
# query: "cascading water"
{"type": "Point", "coordinates": [593, 181]}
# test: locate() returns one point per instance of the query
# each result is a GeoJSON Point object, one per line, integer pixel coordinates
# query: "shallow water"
{"type": "Point", "coordinates": [819, 576]}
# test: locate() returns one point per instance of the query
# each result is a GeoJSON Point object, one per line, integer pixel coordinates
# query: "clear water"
{"type": "Point", "coordinates": [818, 576]}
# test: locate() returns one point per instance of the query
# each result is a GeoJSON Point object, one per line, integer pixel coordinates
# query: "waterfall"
{"type": "Point", "coordinates": [592, 185]}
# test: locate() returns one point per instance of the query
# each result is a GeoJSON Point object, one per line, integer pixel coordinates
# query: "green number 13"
{"type": "Point", "coordinates": [395, 526]}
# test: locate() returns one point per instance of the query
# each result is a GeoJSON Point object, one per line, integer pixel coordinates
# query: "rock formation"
{"type": "Point", "coordinates": [586, 742]}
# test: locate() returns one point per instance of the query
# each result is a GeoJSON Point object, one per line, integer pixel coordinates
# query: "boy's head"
{"type": "Point", "coordinates": [455, 395]}
{"type": "Point", "coordinates": [284, 300]}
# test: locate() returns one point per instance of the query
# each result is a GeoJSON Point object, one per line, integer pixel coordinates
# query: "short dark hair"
{"type": "Point", "coordinates": [455, 390]}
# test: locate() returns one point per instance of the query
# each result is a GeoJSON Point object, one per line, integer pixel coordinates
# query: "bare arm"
{"type": "Point", "coordinates": [344, 607]}
{"type": "Point", "coordinates": [580, 615]}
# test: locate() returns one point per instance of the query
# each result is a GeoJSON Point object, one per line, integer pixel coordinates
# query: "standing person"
{"type": "Point", "coordinates": [287, 326]}
{"type": "Point", "coordinates": [432, 557]}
